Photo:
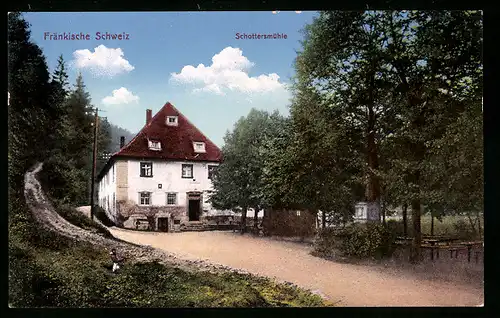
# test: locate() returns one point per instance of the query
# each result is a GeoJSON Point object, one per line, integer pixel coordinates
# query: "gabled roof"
{"type": "Point", "coordinates": [176, 141]}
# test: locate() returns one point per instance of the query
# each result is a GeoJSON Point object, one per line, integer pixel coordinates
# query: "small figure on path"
{"type": "Point", "coordinates": [116, 260]}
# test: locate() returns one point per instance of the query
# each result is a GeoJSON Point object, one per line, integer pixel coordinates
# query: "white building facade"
{"type": "Point", "coordinates": [162, 177]}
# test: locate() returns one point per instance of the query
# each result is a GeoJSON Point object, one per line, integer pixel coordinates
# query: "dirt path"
{"type": "Point", "coordinates": [47, 217]}
{"type": "Point", "coordinates": [352, 285]}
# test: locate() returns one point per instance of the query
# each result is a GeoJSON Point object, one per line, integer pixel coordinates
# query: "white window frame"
{"type": "Point", "coordinates": [141, 198]}
{"type": "Point", "coordinates": [175, 198]}
{"type": "Point", "coordinates": [170, 123]}
{"type": "Point", "coordinates": [199, 147]}
{"type": "Point", "coordinates": [154, 145]}
{"type": "Point", "coordinates": [145, 175]}
{"type": "Point", "coordinates": [298, 213]}
{"type": "Point", "coordinates": [186, 176]}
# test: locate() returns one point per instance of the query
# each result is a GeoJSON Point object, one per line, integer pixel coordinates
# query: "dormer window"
{"type": "Point", "coordinates": [154, 145]}
{"type": "Point", "coordinates": [172, 121]}
{"type": "Point", "coordinates": [199, 147]}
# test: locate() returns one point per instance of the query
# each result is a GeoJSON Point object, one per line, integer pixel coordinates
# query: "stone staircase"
{"type": "Point", "coordinates": [193, 226]}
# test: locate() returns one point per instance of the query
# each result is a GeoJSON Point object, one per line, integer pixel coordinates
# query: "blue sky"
{"type": "Point", "coordinates": [161, 60]}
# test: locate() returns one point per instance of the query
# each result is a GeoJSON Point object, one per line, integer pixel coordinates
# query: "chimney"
{"type": "Point", "coordinates": [149, 115]}
{"type": "Point", "coordinates": [122, 142]}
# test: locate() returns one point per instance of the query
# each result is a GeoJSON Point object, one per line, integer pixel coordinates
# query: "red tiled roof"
{"type": "Point", "coordinates": [176, 141]}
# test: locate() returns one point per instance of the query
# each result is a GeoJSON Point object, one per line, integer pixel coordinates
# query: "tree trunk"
{"type": "Point", "coordinates": [323, 219]}
{"type": "Point", "coordinates": [243, 225]}
{"type": "Point", "coordinates": [479, 225]}
{"type": "Point", "coordinates": [416, 255]}
{"type": "Point", "coordinates": [473, 226]}
{"type": "Point", "coordinates": [373, 188]}
{"type": "Point", "coordinates": [256, 219]}
{"type": "Point", "coordinates": [405, 220]}
{"type": "Point", "coordinates": [432, 224]}
{"type": "Point", "coordinates": [383, 212]}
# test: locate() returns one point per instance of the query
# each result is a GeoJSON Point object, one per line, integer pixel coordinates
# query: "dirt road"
{"type": "Point", "coordinates": [352, 285]}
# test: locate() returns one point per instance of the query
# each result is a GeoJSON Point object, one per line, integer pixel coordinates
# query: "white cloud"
{"type": "Point", "coordinates": [229, 71]}
{"type": "Point", "coordinates": [102, 62]}
{"type": "Point", "coordinates": [120, 96]}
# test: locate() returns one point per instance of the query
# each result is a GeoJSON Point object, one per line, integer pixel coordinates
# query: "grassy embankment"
{"type": "Point", "coordinates": [453, 225]}
{"type": "Point", "coordinates": [49, 270]}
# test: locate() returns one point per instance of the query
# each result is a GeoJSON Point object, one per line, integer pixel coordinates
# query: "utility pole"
{"type": "Point", "coordinates": [94, 161]}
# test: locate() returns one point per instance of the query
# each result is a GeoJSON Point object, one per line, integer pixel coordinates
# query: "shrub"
{"type": "Point", "coordinates": [79, 219]}
{"type": "Point", "coordinates": [368, 240]}
{"type": "Point", "coordinates": [328, 241]}
{"type": "Point", "coordinates": [463, 230]}
{"type": "Point", "coordinates": [101, 215]}
{"type": "Point", "coordinates": [396, 227]}
{"type": "Point", "coordinates": [356, 240]}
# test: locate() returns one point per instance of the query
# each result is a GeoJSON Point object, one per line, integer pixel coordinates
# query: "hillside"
{"type": "Point", "coordinates": [61, 260]}
{"type": "Point", "coordinates": [116, 133]}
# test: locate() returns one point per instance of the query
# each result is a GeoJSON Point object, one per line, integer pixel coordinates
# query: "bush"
{"type": "Point", "coordinates": [368, 240]}
{"type": "Point", "coordinates": [463, 230]}
{"type": "Point", "coordinates": [357, 240]}
{"type": "Point", "coordinates": [328, 241]}
{"type": "Point", "coordinates": [396, 227]}
{"type": "Point", "coordinates": [101, 215]}
{"type": "Point", "coordinates": [79, 219]}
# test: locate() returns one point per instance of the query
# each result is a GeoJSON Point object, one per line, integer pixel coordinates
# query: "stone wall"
{"type": "Point", "coordinates": [287, 223]}
{"type": "Point", "coordinates": [121, 180]}
{"type": "Point", "coordinates": [127, 210]}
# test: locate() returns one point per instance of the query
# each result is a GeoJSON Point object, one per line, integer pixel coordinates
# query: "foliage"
{"type": "Point", "coordinates": [79, 219]}
{"type": "Point", "coordinates": [400, 83]}
{"type": "Point", "coordinates": [115, 134]}
{"type": "Point", "coordinates": [101, 215]}
{"type": "Point", "coordinates": [30, 111]}
{"type": "Point", "coordinates": [327, 242]}
{"type": "Point", "coordinates": [357, 240]}
{"type": "Point", "coordinates": [457, 226]}
{"type": "Point", "coordinates": [80, 276]}
{"type": "Point", "coordinates": [47, 269]}
{"type": "Point", "coordinates": [238, 181]}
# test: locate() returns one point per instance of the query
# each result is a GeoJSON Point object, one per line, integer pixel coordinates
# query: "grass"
{"type": "Point", "coordinates": [49, 270]}
{"type": "Point", "coordinates": [455, 225]}
{"type": "Point", "coordinates": [79, 219]}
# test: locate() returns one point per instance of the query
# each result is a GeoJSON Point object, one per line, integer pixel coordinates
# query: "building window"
{"type": "Point", "coordinates": [145, 198]}
{"type": "Point", "coordinates": [171, 198]}
{"type": "Point", "coordinates": [211, 171]}
{"type": "Point", "coordinates": [298, 213]}
{"type": "Point", "coordinates": [146, 169]}
{"type": "Point", "coordinates": [172, 121]}
{"type": "Point", "coordinates": [199, 147]}
{"type": "Point", "coordinates": [187, 171]}
{"type": "Point", "coordinates": [154, 145]}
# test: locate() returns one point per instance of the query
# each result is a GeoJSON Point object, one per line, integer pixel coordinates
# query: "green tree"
{"type": "Point", "coordinates": [436, 59]}
{"type": "Point", "coordinates": [104, 143]}
{"type": "Point", "coordinates": [68, 171]}
{"type": "Point", "coordinates": [30, 110]}
{"type": "Point", "coordinates": [395, 80]}
{"type": "Point", "coordinates": [238, 180]}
